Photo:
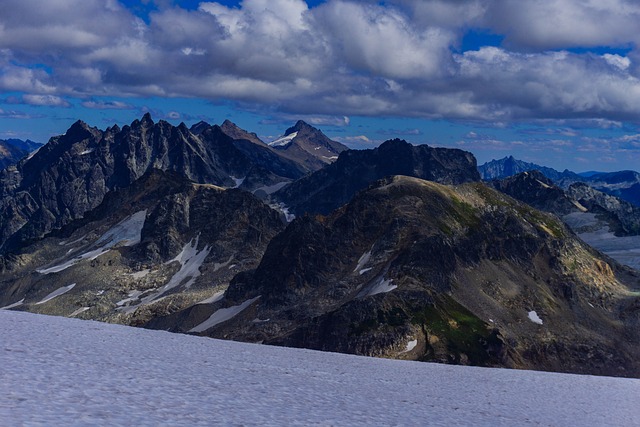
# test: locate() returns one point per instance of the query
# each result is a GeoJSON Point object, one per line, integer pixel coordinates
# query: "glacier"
{"type": "Point", "coordinates": [61, 371]}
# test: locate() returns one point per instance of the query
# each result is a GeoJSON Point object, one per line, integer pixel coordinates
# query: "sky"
{"type": "Point", "coordinates": [555, 82]}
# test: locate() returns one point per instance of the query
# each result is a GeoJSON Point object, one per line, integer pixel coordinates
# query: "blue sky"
{"type": "Point", "coordinates": [555, 82]}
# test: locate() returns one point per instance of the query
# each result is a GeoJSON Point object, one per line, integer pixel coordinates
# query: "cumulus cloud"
{"type": "Point", "coordinates": [340, 58]}
{"type": "Point", "coordinates": [560, 24]}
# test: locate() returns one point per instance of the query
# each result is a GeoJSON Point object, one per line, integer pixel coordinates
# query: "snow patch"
{"type": "Point", "coordinates": [365, 270]}
{"type": "Point", "coordinates": [410, 346]}
{"type": "Point", "coordinates": [543, 184]}
{"type": "Point", "coordinates": [214, 298]}
{"type": "Point", "coordinates": [364, 259]}
{"type": "Point", "coordinates": [378, 286]}
{"type": "Point", "coordinates": [222, 315]}
{"type": "Point", "coordinates": [14, 305]}
{"type": "Point", "coordinates": [89, 151]}
{"type": "Point", "coordinates": [284, 209]}
{"type": "Point", "coordinates": [127, 232]}
{"type": "Point", "coordinates": [270, 189]}
{"type": "Point", "coordinates": [283, 140]}
{"type": "Point", "coordinates": [79, 311]}
{"type": "Point", "coordinates": [56, 293]}
{"type": "Point", "coordinates": [190, 259]}
{"type": "Point", "coordinates": [217, 266]}
{"type": "Point", "coordinates": [238, 181]}
{"type": "Point", "coordinates": [533, 316]}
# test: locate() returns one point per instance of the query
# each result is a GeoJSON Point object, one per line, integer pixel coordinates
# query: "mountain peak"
{"type": "Point", "coordinates": [300, 126]}
{"type": "Point", "coordinates": [199, 127]}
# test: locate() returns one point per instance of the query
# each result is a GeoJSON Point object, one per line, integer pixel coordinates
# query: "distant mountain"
{"type": "Point", "coordinates": [354, 170]}
{"type": "Point", "coordinates": [414, 269]}
{"type": "Point", "coordinates": [509, 166]}
{"type": "Point", "coordinates": [623, 184]}
{"type": "Point", "coordinates": [235, 132]}
{"type": "Point", "coordinates": [13, 150]}
{"type": "Point", "coordinates": [71, 174]}
{"type": "Point", "coordinates": [308, 146]}
{"type": "Point", "coordinates": [273, 169]}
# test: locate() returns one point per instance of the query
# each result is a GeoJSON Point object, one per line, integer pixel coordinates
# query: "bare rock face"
{"type": "Point", "coordinates": [334, 185]}
{"type": "Point", "coordinates": [413, 269]}
{"type": "Point", "coordinates": [160, 245]}
{"type": "Point", "coordinates": [72, 173]}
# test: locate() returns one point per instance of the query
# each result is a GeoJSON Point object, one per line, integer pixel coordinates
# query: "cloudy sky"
{"type": "Point", "coordinates": [551, 81]}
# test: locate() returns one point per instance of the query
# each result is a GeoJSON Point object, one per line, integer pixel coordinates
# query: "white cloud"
{"type": "Point", "coordinates": [45, 100]}
{"type": "Point", "coordinates": [553, 24]}
{"type": "Point", "coordinates": [340, 58]}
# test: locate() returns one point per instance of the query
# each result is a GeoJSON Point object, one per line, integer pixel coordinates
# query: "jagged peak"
{"type": "Point", "coordinates": [145, 121]}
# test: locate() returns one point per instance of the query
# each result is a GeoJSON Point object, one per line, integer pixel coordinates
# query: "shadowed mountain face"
{"type": "Point", "coordinates": [72, 173]}
{"type": "Point", "coordinates": [334, 185]}
{"type": "Point", "coordinates": [413, 269]}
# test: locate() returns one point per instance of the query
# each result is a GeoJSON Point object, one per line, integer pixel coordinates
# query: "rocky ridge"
{"type": "Point", "coordinates": [72, 173]}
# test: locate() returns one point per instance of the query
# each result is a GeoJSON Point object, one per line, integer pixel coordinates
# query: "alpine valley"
{"type": "Point", "coordinates": [399, 251]}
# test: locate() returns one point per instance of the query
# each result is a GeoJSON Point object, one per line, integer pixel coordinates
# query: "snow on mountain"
{"type": "Point", "coordinates": [58, 371]}
{"type": "Point", "coordinates": [283, 140]}
{"type": "Point", "coordinates": [127, 233]}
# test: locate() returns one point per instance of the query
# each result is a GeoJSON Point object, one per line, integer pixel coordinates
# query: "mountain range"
{"type": "Point", "coordinates": [399, 251]}
{"type": "Point", "coordinates": [622, 184]}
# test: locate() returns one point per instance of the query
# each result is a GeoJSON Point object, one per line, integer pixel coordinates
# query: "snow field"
{"type": "Point", "coordinates": [59, 371]}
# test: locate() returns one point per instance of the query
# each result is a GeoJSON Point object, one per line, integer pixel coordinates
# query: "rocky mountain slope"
{"type": "Point", "coordinates": [13, 150]}
{"type": "Point", "coordinates": [159, 245]}
{"type": "Point", "coordinates": [335, 184]}
{"type": "Point", "coordinates": [72, 173]}
{"type": "Point", "coordinates": [417, 270]}
{"type": "Point", "coordinates": [307, 146]}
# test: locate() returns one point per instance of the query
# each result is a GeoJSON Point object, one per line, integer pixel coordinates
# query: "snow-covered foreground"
{"type": "Point", "coordinates": [59, 371]}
